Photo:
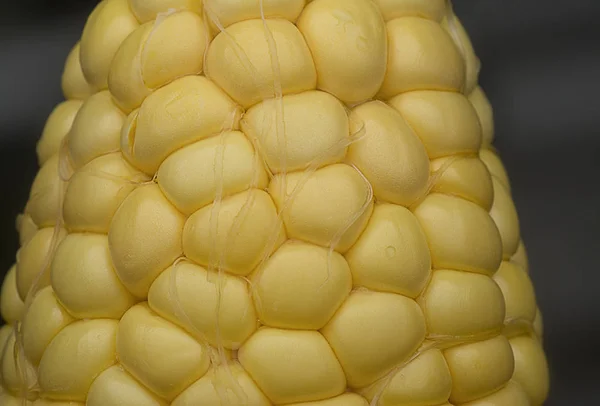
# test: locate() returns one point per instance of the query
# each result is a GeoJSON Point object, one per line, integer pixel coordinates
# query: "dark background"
{"type": "Point", "coordinates": [541, 71]}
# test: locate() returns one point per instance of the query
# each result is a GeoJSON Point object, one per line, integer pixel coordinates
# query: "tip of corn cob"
{"type": "Point", "coordinates": [274, 202]}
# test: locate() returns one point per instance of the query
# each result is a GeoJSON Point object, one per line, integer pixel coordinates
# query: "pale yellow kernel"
{"type": "Point", "coordinates": [106, 28]}
{"type": "Point", "coordinates": [144, 238]}
{"type": "Point", "coordinates": [223, 13]}
{"type": "Point", "coordinates": [254, 60]}
{"type": "Point", "coordinates": [347, 399]}
{"type": "Point", "coordinates": [84, 279]}
{"type": "Point", "coordinates": [26, 227]}
{"type": "Point", "coordinates": [16, 371]}
{"type": "Point", "coordinates": [6, 399]}
{"type": "Point", "coordinates": [329, 207]}
{"type": "Point", "coordinates": [79, 353]}
{"type": "Point", "coordinates": [512, 394]}
{"type": "Point", "coordinates": [445, 121]}
{"type": "Point", "coordinates": [538, 324]}
{"type": "Point", "coordinates": [225, 385]}
{"type": "Point", "coordinates": [462, 304]}
{"type": "Point", "coordinates": [374, 332]}
{"type": "Point", "coordinates": [292, 365]}
{"type": "Point", "coordinates": [461, 234]}
{"type": "Point", "coordinates": [485, 113]}
{"type": "Point", "coordinates": [73, 83]}
{"type": "Point", "coordinates": [34, 259]}
{"type": "Point", "coordinates": [479, 369]}
{"type": "Point", "coordinates": [465, 177]}
{"type": "Point", "coordinates": [389, 154]}
{"type": "Point", "coordinates": [234, 234]}
{"type": "Point", "coordinates": [155, 54]}
{"type": "Point", "coordinates": [5, 332]}
{"type": "Point", "coordinates": [430, 9]}
{"type": "Point", "coordinates": [186, 110]}
{"type": "Point", "coordinates": [423, 381]}
{"type": "Point", "coordinates": [348, 41]}
{"type": "Point", "coordinates": [301, 286]}
{"type": "Point", "coordinates": [96, 130]}
{"type": "Point", "coordinates": [227, 164]}
{"type": "Point", "coordinates": [531, 368]}
{"type": "Point", "coordinates": [57, 126]}
{"type": "Point", "coordinates": [50, 402]}
{"type": "Point", "coordinates": [116, 387]}
{"type": "Point", "coordinates": [392, 254]}
{"type": "Point", "coordinates": [519, 295]}
{"type": "Point", "coordinates": [159, 354]}
{"type": "Point", "coordinates": [495, 166]}
{"type": "Point", "coordinates": [96, 191]}
{"type": "Point", "coordinates": [303, 130]}
{"type": "Point", "coordinates": [202, 302]}
{"type": "Point", "coordinates": [11, 304]}
{"type": "Point", "coordinates": [45, 317]}
{"type": "Point", "coordinates": [46, 194]}
{"type": "Point", "coordinates": [146, 10]}
{"type": "Point", "coordinates": [504, 213]}
{"type": "Point", "coordinates": [452, 24]}
{"type": "Point", "coordinates": [520, 257]}
{"type": "Point", "coordinates": [421, 56]}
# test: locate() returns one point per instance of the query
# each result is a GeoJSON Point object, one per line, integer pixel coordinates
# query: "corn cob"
{"type": "Point", "coordinates": [271, 202]}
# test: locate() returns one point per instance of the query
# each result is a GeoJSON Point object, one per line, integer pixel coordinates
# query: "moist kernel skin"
{"type": "Point", "coordinates": [274, 203]}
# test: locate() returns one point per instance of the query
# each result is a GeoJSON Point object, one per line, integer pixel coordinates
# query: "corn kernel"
{"type": "Point", "coordinates": [518, 292]}
{"type": "Point", "coordinates": [430, 9]}
{"type": "Point", "coordinates": [504, 214]}
{"type": "Point", "coordinates": [46, 193]}
{"type": "Point", "coordinates": [57, 126]}
{"type": "Point", "coordinates": [452, 24]}
{"type": "Point", "coordinates": [73, 84]}
{"type": "Point", "coordinates": [26, 227]}
{"type": "Point", "coordinates": [483, 107]}
{"type": "Point", "coordinates": [146, 10]}
{"type": "Point", "coordinates": [11, 304]}
{"type": "Point", "coordinates": [531, 368]}
{"type": "Point", "coordinates": [512, 394]}
{"type": "Point", "coordinates": [347, 399]}
{"type": "Point", "coordinates": [223, 13]}
{"type": "Point", "coordinates": [16, 371]}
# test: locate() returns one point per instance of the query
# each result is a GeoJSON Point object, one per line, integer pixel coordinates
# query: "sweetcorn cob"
{"type": "Point", "coordinates": [271, 202]}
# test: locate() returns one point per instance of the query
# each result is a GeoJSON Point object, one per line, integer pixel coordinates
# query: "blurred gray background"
{"type": "Point", "coordinates": [541, 71]}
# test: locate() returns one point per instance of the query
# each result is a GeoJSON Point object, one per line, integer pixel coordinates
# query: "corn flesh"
{"type": "Point", "coordinates": [276, 202]}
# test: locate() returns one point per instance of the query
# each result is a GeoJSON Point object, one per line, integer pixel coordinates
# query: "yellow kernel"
{"type": "Point", "coordinates": [389, 154]}
{"type": "Point", "coordinates": [464, 177]}
{"type": "Point", "coordinates": [223, 13]}
{"type": "Point", "coordinates": [230, 385]}
{"type": "Point", "coordinates": [512, 394]}
{"type": "Point", "coordinates": [234, 234]}
{"type": "Point", "coordinates": [421, 56]}
{"type": "Point", "coordinates": [299, 131]}
{"type": "Point", "coordinates": [6, 399]}
{"type": "Point", "coordinates": [292, 365]}
{"type": "Point", "coordinates": [461, 234]}
{"type": "Point", "coordinates": [452, 24]}
{"type": "Point", "coordinates": [84, 279]}
{"type": "Point", "coordinates": [11, 304]}
{"type": "Point", "coordinates": [348, 41]}
{"type": "Point", "coordinates": [495, 166]}
{"type": "Point", "coordinates": [96, 191]}
{"type": "Point", "coordinates": [329, 207]}
{"type": "Point", "coordinates": [445, 121]}
{"type": "Point", "coordinates": [34, 258]}
{"type": "Point", "coordinates": [395, 326]}
{"type": "Point", "coordinates": [462, 304]}
{"type": "Point", "coordinates": [520, 257]}
{"type": "Point", "coordinates": [144, 238]}
{"type": "Point", "coordinates": [242, 60]}
{"type": "Point", "coordinates": [57, 126]}
{"type": "Point", "coordinates": [106, 28]}
{"type": "Point", "coordinates": [189, 296]}
{"type": "Point", "coordinates": [190, 179]}
{"type": "Point", "coordinates": [44, 318]}
{"type": "Point", "coordinates": [73, 83]}
{"type": "Point", "coordinates": [479, 369]}
{"type": "Point", "coordinates": [16, 372]}
{"type": "Point", "coordinates": [50, 402]}
{"type": "Point", "coordinates": [184, 111]}
{"type": "Point", "coordinates": [79, 353]}
{"type": "Point", "coordinates": [531, 368]}
{"type": "Point", "coordinates": [115, 386]}
{"type": "Point", "coordinates": [347, 399]}
{"type": "Point", "coordinates": [504, 214]}
{"type": "Point", "coordinates": [392, 254]}
{"type": "Point", "coordinates": [430, 9]}
{"type": "Point", "coordinates": [155, 54]}
{"type": "Point", "coordinates": [425, 380]}
{"type": "Point", "coordinates": [26, 227]}
{"type": "Point", "coordinates": [46, 193]}
{"type": "Point", "coordinates": [484, 111]}
{"type": "Point", "coordinates": [146, 10]}
{"type": "Point", "coordinates": [96, 130]}
{"type": "Point", "coordinates": [519, 295]}
{"type": "Point", "coordinates": [159, 354]}
{"type": "Point", "coordinates": [301, 286]}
